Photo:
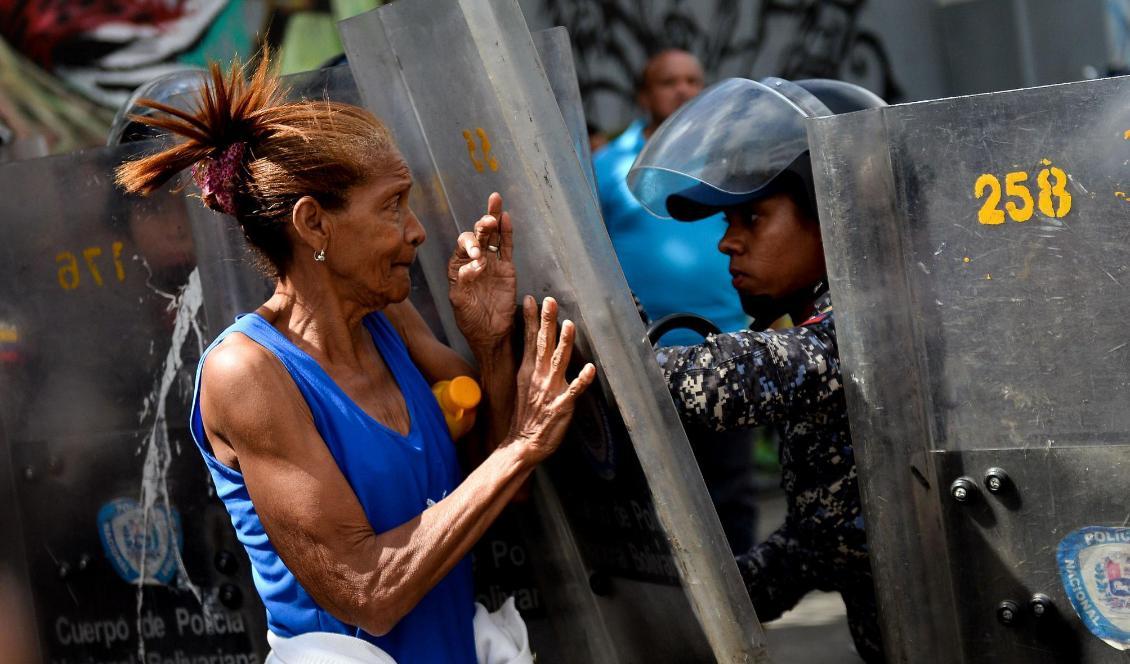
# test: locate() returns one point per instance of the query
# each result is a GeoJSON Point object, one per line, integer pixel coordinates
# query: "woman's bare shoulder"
{"type": "Point", "coordinates": [237, 359]}
{"type": "Point", "coordinates": [244, 386]}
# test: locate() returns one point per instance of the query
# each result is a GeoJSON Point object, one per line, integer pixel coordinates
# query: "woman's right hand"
{"type": "Point", "coordinates": [544, 402]}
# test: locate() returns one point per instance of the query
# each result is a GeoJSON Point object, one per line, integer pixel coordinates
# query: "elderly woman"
{"type": "Point", "coordinates": [314, 413]}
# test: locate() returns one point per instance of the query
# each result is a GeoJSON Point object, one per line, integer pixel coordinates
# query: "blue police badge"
{"type": "Point", "coordinates": [1094, 563]}
{"type": "Point", "coordinates": [132, 543]}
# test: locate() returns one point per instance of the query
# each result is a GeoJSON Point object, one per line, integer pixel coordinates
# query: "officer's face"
{"type": "Point", "coordinates": [774, 248]}
{"type": "Point", "coordinates": [671, 79]}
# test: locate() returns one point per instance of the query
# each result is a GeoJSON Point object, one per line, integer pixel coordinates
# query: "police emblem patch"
{"type": "Point", "coordinates": [1094, 563]}
{"type": "Point", "coordinates": [135, 544]}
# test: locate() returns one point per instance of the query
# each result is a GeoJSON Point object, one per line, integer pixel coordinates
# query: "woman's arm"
{"type": "Point", "coordinates": [496, 375]}
{"type": "Point", "coordinates": [435, 360]}
{"type": "Point", "coordinates": [438, 362]}
{"type": "Point", "coordinates": [251, 406]}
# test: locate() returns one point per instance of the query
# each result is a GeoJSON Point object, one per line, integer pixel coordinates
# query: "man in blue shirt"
{"type": "Point", "coordinates": [675, 267]}
{"type": "Point", "coordinates": [672, 267]}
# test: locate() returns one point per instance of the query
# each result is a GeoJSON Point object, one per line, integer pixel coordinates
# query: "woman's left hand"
{"type": "Point", "coordinates": [481, 279]}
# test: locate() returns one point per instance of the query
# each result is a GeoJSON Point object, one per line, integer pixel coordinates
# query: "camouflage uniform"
{"type": "Point", "coordinates": [791, 378]}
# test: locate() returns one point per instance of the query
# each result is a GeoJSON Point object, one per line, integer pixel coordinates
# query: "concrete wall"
{"type": "Point", "coordinates": [1118, 34]}
{"type": "Point", "coordinates": [1002, 44]}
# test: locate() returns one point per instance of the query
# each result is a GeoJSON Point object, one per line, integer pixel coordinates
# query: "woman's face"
{"type": "Point", "coordinates": [774, 249]}
{"type": "Point", "coordinates": [374, 237]}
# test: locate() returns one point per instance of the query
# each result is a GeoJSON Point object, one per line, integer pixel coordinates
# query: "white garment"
{"type": "Point", "coordinates": [323, 648]}
{"type": "Point", "coordinates": [500, 638]}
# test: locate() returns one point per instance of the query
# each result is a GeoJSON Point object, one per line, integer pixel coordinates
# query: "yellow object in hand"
{"type": "Point", "coordinates": [458, 399]}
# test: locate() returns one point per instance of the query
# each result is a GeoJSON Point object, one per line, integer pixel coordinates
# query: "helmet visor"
{"type": "Point", "coordinates": [721, 148]}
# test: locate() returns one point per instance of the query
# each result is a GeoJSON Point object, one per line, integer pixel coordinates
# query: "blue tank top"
{"type": "Point", "coordinates": [671, 266]}
{"type": "Point", "coordinates": [395, 477]}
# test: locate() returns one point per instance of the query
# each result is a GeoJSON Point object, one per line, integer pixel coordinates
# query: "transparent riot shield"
{"type": "Point", "coordinates": [624, 526]}
{"type": "Point", "coordinates": [556, 54]}
{"type": "Point", "coordinates": [129, 555]}
{"type": "Point", "coordinates": [978, 261]}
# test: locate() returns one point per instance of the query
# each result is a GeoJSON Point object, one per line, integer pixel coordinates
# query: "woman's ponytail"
{"type": "Point", "coordinates": [217, 135]}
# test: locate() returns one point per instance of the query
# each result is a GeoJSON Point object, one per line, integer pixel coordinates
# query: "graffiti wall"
{"type": "Point", "coordinates": [904, 50]}
{"type": "Point", "coordinates": [789, 38]}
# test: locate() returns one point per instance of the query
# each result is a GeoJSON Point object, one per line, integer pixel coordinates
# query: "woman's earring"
{"type": "Point", "coordinates": [320, 255]}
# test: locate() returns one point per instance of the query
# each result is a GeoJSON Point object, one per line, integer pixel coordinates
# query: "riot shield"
{"type": "Point", "coordinates": [977, 256]}
{"type": "Point", "coordinates": [625, 522]}
{"type": "Point", "coordinates": [129, 555]}
{"type": "Point", "coordinates": [556, 55]}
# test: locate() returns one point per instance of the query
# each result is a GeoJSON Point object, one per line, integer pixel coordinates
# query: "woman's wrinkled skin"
{"type": "Point", "coordinates": [258, 422]}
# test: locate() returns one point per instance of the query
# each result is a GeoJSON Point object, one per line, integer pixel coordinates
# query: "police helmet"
{"type": "Point", "coordinates": [735, 143]}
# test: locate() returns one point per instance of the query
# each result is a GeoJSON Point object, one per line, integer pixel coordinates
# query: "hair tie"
{"type": "Point", "coordinates": [218, 178]}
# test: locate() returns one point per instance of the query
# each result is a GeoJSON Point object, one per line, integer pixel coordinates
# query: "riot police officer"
{"type": "Point", "coordinates": [741, 148]}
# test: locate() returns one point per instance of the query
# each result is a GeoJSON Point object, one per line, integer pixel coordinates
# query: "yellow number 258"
{"type": "Point", "coordinates": [1053, 200]}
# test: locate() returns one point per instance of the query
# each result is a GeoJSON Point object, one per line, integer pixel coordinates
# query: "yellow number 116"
{"type": "Point", "coordinates": [1053, 199]}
